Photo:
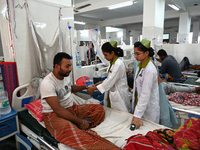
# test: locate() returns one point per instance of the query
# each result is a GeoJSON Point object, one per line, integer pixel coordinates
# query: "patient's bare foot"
{"type": "Point", "coordinates": [197, 90]}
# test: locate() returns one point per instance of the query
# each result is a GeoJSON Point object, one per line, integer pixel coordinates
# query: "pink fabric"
{"type": "Point", "coordinates": [141, 142]}
{"type": "Point", "coordinates": [188, 135]}
{"type": "Point", "coordinates": [36, 109]}
{"type": "Point", "coordinates": [192, 99]}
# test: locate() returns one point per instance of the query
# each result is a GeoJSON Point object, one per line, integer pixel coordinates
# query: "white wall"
{"type": "Point", "coordinates": [87, 71]}
{"type": "Point", "coordinates": [86, 35]}
{"type": "Point", "coordinates": [172, 37]}
{"type": "Point", "coordinates": [42, 13]}
{"type": "Point", "coordinates": [114, 36]}
{"type": "Point", "coordinates": [135, 34]}
{"type": "Point", "coordinates": [179, 51]}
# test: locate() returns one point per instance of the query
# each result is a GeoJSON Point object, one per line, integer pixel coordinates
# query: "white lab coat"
{"type": "Point", "coordinates": [116, 85]}
{"type": "Point", "coordinates": [148, 94]}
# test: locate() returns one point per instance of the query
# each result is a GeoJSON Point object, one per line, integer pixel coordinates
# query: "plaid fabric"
{"type": "Point", "coordinates": [152, 137]}
{"type": "Point", "coordinates": [69, 134]}
{"type": "Point", "coordinates": [140, 142]}
{"type": "Point", "coordinates": [10, 78]}
{"type": "Point", "coordinates": [137, 142]}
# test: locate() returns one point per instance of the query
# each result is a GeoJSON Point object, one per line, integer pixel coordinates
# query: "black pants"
{"type": "Point", "coordinates": [130, 80]}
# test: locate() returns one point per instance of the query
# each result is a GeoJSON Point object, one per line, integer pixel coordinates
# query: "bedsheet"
{"type": "Point", "coordinates": [115, 127]}
{"type": "Point", "coordinates": [191, 80]}
{"type": "Point", "coordinates": [189, 108]}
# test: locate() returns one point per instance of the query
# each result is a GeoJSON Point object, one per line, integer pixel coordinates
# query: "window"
{"type": "Point", "coordinates": [166, 38]}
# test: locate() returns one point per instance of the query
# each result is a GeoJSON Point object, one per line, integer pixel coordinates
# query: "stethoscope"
{"type": "Point", "coordinates": [140, 74]}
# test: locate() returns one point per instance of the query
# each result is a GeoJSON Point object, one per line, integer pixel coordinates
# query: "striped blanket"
{"type": "Point", "coordinates": [10, 79]}
{"type": "Point", "coordinates": [69, 134]}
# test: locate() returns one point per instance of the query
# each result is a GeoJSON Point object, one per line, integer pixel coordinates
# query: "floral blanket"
{"type": "Point", "coordinates": [192, 99]}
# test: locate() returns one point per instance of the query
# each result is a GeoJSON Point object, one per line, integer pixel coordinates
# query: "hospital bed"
{"type": "Point", "coordinates": [185, 112]}
{"type": "Point", "coordinates": [190, 73]}
{"type": "Point", "coordinates": [193, 71]}
{"type": "Point", "coordinates": [114, 128]}
{"type": "Point", "coordinates": [190, 81]}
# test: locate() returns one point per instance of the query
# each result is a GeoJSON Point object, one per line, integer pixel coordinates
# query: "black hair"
{"type": "Point", "coordinates": [162, 52]}
{"type": "Point", "coordinates": [59, 56]}
{"type": "Point", "coordinates": [151, 52]}
{"type": "Point", "coordinates": [140, 46]}
{"type": "Point", "coordinates": [107, 47]}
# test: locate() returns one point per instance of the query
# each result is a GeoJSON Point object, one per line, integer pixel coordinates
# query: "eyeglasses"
{"type": "Point", "coordinates": [136, 55]}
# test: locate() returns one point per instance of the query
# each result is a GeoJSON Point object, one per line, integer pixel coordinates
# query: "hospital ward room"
{"type": "Point", "coordinates": [100, 75]}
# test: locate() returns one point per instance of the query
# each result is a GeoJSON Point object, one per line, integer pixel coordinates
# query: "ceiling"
{"type": "Point", "coordinates": [98, 13]}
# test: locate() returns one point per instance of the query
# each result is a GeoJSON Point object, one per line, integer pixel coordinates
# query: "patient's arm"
{"type": "Point", "coordinates": [91, 89]}
{"type": "Point", "coordinates": [64, 113]}
{"type": "Point", "coordinates": [98, 83]}
{"type": "Point", "coordinates": [78, 88]}
{"type": "Point", "coordinates": [159, 60]}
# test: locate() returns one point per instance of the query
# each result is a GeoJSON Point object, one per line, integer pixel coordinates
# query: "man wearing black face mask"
{"type": "Point", "coordinates": [169, 65]}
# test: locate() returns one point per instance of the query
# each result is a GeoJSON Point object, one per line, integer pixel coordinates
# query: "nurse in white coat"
{"type": "Point", "coordinates": [115, 85]}
{"type": "Point", "coordinates": [145, 101]}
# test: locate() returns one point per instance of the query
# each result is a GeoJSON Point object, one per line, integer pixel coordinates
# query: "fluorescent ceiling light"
{"type": "Point", "coordinates": [120, 5]}
{"type": "Point", "coordinates": [78, 22]}
{"type": "Point", "coordinates": [174, 7]}
{"type": "Point", "coordinates": [111, 29]}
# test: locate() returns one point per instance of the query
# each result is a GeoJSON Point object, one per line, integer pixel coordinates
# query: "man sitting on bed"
{"type": "Point", "coordinates": [170, 69]}
{"type": "Point", "coordinates": [67, 122]}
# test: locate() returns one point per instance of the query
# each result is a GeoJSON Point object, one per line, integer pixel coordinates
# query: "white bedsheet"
{"type": "Point", "coordinates": [115, 127]}
{"type": "Point", "coordinates": [190, 108]}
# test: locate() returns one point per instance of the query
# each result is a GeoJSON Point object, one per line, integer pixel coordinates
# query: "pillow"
{"type": "Point", "coordinates": [35, 108]}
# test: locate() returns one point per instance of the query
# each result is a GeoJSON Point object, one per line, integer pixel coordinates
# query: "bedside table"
{"type": "Point", "coordinates": [9, 126]}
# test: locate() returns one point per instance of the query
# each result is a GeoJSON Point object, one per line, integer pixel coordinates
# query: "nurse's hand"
{"type": "Point", "coordinates": [137, 121]}
{"type": "Point", "coordinates": [91, 90]}
{"type": "Point", "coordinates": [98, 83]}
